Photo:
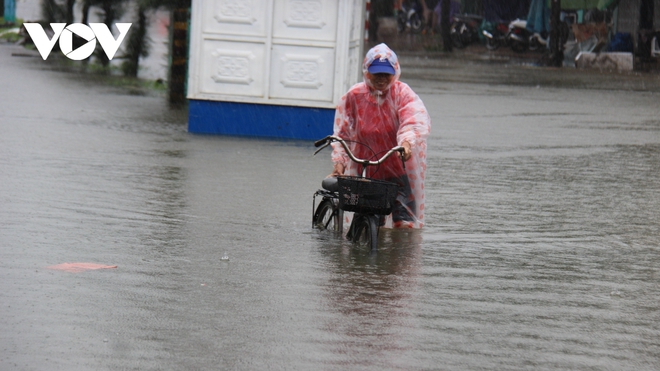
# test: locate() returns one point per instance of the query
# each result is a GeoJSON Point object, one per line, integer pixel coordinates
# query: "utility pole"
{"type": "Point", "coordinates": [646, 31]}
{"type": "Point", "coordinates": [179, 52]}
{"type": "Point", "coordinates": [646, 10]}
{"type": "Point", "coordinates": [445, 23]}
{"type": "Point", "coordinates": [556, 47]}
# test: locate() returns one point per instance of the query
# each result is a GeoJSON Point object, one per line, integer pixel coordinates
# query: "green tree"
{"type": "Point", "coordinates": [111, 11]}
{"type": "Point", "coordinates": [51, 12]}
{"type": "Point", "coordinates": [138, 43]}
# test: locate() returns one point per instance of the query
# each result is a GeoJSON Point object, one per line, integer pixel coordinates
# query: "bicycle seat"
{"type": "Point", "coordinates": [330, 184]}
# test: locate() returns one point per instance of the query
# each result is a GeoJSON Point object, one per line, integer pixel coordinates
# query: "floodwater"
{"type": "Point", "coordinates": [540, 252]}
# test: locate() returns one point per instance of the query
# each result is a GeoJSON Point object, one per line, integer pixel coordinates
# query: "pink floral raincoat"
{"type": "Point", "coordinates": [372, 122]}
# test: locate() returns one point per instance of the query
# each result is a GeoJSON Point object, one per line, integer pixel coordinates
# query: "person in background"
{"type": "Point", "coordinates": [430, 16]}
{"type": "Point", "coordinates": [408, 6]}
{"type": "Point", "coordinates": [454, 8]}
{"type": "Point", "coordinates": [380, 113]}
{"type": "Point", "coordinates": [379, 8]}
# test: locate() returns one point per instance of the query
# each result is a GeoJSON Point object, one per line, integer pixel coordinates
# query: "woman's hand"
{"type": "Point", "coordinates": [406, 151]}
{"type": "Point", "coordinates": [337, 171]}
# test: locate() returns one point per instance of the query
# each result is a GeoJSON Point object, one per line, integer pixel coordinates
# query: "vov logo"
{"type": "Point", "coordinates": [95, 31]}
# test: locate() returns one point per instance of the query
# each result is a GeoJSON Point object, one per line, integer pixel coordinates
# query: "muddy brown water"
{"type": "Point", "coordinates": [540, 250]}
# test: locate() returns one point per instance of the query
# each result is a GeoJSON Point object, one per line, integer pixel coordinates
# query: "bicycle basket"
{"type": "Point", "coordinates": [367, 196]}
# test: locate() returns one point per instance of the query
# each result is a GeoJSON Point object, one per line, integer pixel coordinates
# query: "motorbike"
{"type": "Point", "coordinates": [496, 36]}
{"type": "Point", "coordinates": [518, 35]}
{"type": "Point", "coordinates": [521, 38]}
{"type": "Point", "coordinates": [538, 41]}
{"type": "Point", "coordinates": [410, 17]}
{"type": "Point", "coordinates": [464, 29]}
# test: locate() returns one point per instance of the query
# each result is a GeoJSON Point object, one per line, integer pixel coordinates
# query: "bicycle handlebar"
{"type": "Point", "coordinates": [330, 138]}
{"type": "Point", "coordinates": [323, 141]}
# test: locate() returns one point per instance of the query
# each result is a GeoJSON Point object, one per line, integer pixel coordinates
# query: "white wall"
{"type": "Point", "coordinates": [286, 52]}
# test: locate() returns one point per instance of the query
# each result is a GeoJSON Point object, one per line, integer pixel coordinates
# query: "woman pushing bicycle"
{"type": "Point", "coordinates": [376, 115]}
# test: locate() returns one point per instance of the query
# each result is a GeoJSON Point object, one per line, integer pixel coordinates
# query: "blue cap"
{"type": "Point", "coordinates": [381, 66]}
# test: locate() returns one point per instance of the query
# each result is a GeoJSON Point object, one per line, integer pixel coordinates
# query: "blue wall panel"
{"type": "Point", "coordinates": [259, 120]}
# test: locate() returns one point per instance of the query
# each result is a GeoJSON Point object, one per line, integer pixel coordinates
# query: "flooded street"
{"type": "Point", "coordinates": [541, 248]}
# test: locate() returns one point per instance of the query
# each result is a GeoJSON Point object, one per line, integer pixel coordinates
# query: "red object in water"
{"type": "Point", "coordinates": [79, 267]}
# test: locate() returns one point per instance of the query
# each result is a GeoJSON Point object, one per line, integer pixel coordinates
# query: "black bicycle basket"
{"type": "Point", "coordinates": [366, 196]}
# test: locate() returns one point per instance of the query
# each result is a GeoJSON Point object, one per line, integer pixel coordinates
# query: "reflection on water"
{"type": "Point", "coordinates": [540, 249]}
{"type": "Point", "coordinates": [372, 298]}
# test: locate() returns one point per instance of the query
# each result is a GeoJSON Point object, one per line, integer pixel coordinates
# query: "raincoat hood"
{"type": "Point", "coordinates": [372, 122]}
{"type": "Point", "coordinates": [380, 52]}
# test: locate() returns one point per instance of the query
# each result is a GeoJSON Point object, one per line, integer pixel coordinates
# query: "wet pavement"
{"type": "Point", "coordinates": [475, 64]}
{"type": "Point", "coordinates": [541, 249]}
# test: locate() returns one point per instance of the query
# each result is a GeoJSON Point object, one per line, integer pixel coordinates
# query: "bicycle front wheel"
{"type": "Point", "coordinates": [326, 216]}
{"type": "Point", "coordinates": [365, 231]}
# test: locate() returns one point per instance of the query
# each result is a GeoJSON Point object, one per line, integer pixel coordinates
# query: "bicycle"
{"type": "Point", "coordinates": [370, 199]}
